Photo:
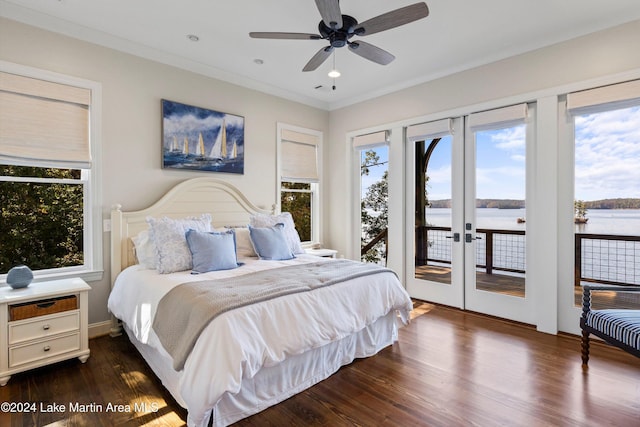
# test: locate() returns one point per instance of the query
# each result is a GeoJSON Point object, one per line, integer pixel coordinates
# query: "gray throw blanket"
{"type": "Point", "coordinates": [187, 309]}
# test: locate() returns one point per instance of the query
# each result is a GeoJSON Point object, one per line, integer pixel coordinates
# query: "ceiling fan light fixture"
{"type": "Point", "coordinates": [338, 29]}
{"type": "Point", "coordinates": [334, 73]}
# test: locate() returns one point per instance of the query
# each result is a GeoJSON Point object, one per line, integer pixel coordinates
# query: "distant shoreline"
{"type": "Point", "coordinates": [628, 203]}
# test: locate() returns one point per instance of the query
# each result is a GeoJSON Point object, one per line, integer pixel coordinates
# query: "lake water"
{"type": "Point", "coordinates": [601, 221]}
{"type": "Point", "coordinates": [616, 262]}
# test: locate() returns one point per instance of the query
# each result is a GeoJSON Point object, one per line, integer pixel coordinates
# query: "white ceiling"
{"type": "Point", "coordinates": [457, 35]}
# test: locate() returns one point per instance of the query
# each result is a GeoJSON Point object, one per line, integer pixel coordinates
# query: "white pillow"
{"type": "Point", "coordinates": [145, 250]}
{"type": "Point", "coordinates": [244, 248]}
{"type": "Point", "coordinates": [291, 234]}
{"type": "Point", "coordinates": [170, 239]}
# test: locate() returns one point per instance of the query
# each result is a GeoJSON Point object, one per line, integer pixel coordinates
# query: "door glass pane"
{"type": "Point", "coordinates": [374, 196]}
{"type": "Point", "coordinates": [433, 239]}
{"type": "Point", "coordinates": [607, 205]}
{"type": "Point", "coordinates": [500, 210]}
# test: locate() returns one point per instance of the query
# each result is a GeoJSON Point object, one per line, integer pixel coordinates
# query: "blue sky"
{"type": "Point", "coordinates": [499, 166]}
{"type": "Point", "coordinates": [607, 160]}
{"type": "Point", "coordinates": [608, 155]}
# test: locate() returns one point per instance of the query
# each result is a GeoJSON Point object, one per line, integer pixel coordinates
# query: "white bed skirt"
{"type": "Point", "coordinates": [274, 384]}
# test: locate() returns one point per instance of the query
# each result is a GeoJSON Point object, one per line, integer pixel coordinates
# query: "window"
{"type": "Point", "coordinates": [373, 152]}
{"type": "Point", "coordinates": [606, 180]}
{"type": "Point", "coordinates": [297, 198]}
{"type": "Point", "coordinates": [48, 176]}
{"type": "Point", "coordinates": [299, 178]}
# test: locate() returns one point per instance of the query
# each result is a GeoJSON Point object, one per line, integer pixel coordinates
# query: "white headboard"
{"type": "Point", "coordinates": [226, 204]}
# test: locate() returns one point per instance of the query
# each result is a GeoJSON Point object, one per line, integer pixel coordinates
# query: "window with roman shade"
{"type": "Point", "coordinates": [299, 167]}
{"type": "Point", "coordinates": [48, 180]}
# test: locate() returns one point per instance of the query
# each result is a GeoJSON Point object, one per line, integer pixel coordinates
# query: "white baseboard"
{"type": "Point", "coordinates": [99, 329]}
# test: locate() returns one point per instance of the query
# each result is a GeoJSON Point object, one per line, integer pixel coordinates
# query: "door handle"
{"type": "Point", "coordinates": [469, 239]}
{"type": "Point", "coordinates": [455, 237]}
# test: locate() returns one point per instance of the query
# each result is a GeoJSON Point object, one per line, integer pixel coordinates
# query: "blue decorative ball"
{"type": "Point", "coordinates": [19, 276]}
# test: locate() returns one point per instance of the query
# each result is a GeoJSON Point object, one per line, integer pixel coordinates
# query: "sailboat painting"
{"type": "Point", "coordinates": [195, 138]}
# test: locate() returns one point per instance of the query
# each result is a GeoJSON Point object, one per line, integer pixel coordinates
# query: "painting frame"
{"type": "Point", "coordinates": [201, 139]}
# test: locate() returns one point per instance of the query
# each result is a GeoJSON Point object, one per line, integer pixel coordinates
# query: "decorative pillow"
{"type": "Point", "coordinates": [145, 250]}
{"type": "Point", "coordinates": [212, 251]}
{"type": "Point", "coordinates": [171, 243]}
{"type": "Point", "coordinates": [244, 248]}
{"type": "Point", "coordinates": [270, 242]}
{"type": "Point", "coordinates": [291, 234]}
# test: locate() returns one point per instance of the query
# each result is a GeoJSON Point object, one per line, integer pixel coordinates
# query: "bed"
{"type": "Point", "coordinates": [256, 355]}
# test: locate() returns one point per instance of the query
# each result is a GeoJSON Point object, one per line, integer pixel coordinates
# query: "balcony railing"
{"type": "Point", "coordinates": [599, 258]}
{"type": "Point", "coordinates": [502, 250]}
{"type": "Point", "coordinates": [379, 237]}
{"type": "Point", "coordinates": [607, 258]}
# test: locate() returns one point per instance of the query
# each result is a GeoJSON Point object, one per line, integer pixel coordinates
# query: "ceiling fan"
{"type": "Point", "coordinates": [338, 29]}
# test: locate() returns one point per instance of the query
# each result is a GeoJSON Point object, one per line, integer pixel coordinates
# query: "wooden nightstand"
{"type": "Point", "coordinates": [44, 323]}
{"type": "Point", "coordinates": [327, 253]}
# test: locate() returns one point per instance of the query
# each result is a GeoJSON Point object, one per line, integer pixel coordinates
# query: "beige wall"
{"type": "Point", "coordinates": [600, 54]}
{"type": "Point", "coordinates": [132, 88]}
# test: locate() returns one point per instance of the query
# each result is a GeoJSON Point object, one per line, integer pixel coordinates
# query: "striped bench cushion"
{"type": "Point", "coordinates": [623, 325]}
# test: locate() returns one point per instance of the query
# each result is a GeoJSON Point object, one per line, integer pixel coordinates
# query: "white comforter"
{"type": "Point", "coordinates": [239, 343]}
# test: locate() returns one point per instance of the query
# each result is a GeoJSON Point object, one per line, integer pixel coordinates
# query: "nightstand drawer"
{"type": "Point", "coordinates": [42, 307]}
{"type": "Point", "coordinates": [44, 349]}
{"type": "Point", "coordinates": [26, 330]}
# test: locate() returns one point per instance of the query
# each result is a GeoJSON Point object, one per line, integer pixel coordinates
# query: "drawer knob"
{"type": "Point", "coordinates": [46, 348]}
{"type": "Point", "coordinates": [46, 327]}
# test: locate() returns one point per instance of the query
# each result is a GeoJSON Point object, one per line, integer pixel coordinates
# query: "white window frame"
{"type": "Point", "coordinates": [315, 187]}
{"type": "Point", "coordinates": [91, 180]}
{"type": "Point", "coordinates": [361, 144]}
{"type": "Point", "coordinates": [598, 97]}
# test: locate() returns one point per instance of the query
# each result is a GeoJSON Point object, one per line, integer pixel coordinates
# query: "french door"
{"type": "Point", "coordinates": [435, 214]}
{"type": "Point", "coordinates": [469, 224]}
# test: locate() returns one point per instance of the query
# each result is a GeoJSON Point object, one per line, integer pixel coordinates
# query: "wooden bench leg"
{"type": "Point", "coordinates": [585, 349]}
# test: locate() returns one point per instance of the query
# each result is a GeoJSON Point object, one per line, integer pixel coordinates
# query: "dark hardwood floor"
{"type": "Point", "coordinates": [450, 368]}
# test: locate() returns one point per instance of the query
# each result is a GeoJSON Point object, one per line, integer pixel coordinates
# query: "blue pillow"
{"type": "Point", "coordinates": [212, 251]}
{"type": "Point", "coordinates": [270, 242]}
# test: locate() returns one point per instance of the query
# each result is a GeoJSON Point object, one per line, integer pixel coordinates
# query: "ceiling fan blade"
{"type": "Point", "coordinates": [371, 52]}
{"type": "Point", "coordinates": [330, 12]}
{"type": "Point", "coordinates": [393, 19]}
{"type": "Point", "coordinates": [318, 58]}
{"type": "Point", "coordinates": [291, 36]}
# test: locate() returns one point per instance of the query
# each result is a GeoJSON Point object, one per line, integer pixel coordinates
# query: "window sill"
{"type": "Point", "coordinates": [86, 275]}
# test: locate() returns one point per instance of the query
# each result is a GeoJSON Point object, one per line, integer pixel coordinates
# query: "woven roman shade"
{"type": "Point", "coordinates": [621, 95]}
{"type": "Point", "coordinates": [370, 140]}
{"type": "Point", "coordinates": [298, 156]}
{"type": "Point", "coordinates": [43, 123]}
{"type": "Point", "coordinates": [499, 118]}
{"type": "Point", "coordinates": [430, 130]}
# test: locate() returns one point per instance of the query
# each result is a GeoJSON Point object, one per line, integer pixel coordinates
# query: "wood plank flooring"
{"type": "Point", "coordinates": [450, 368]}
